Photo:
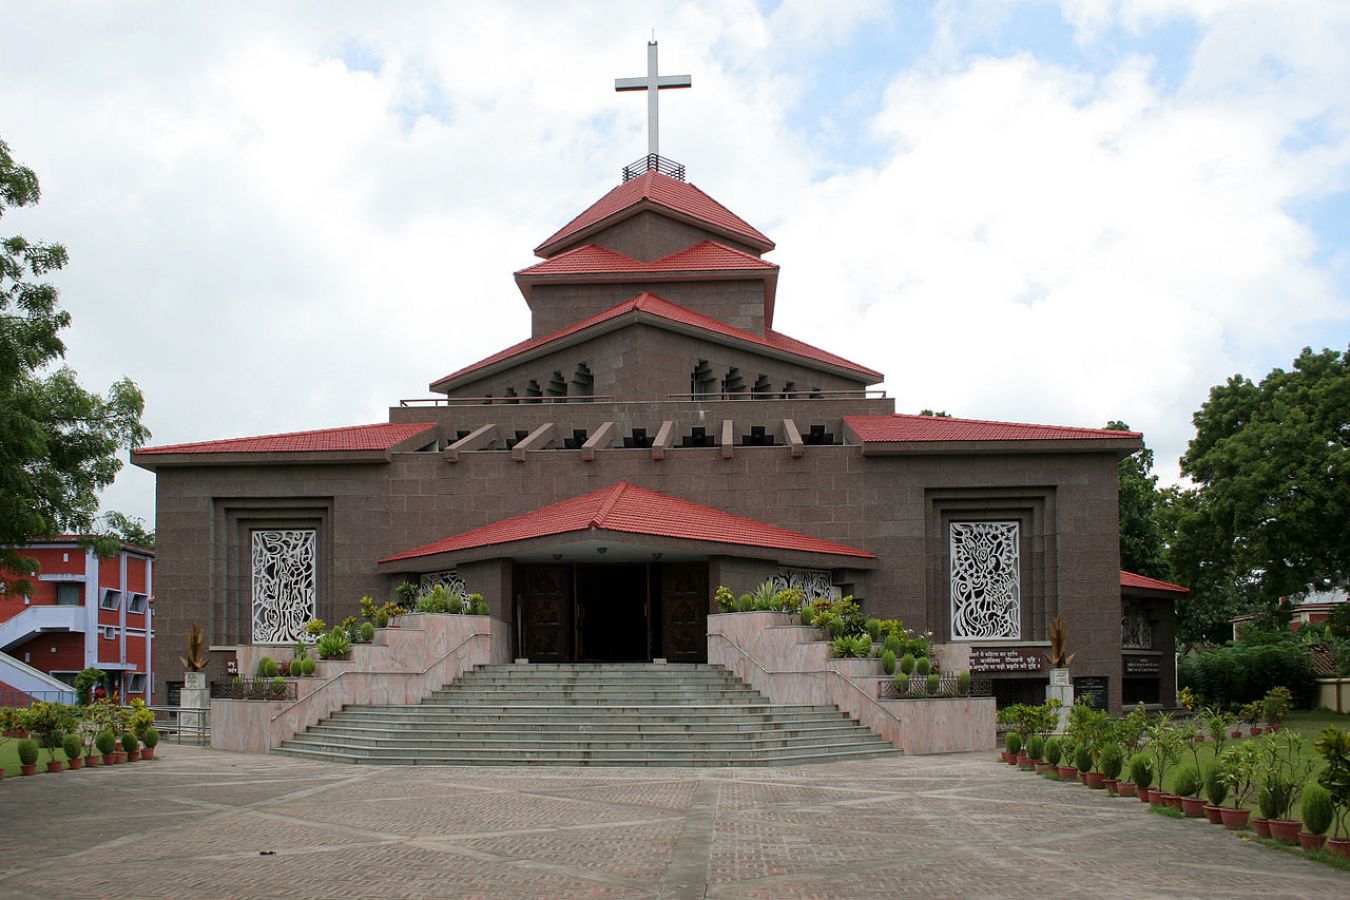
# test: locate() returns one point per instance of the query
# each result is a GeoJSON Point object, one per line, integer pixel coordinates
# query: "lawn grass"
{"type": "Point", "coordinates": [9, 757]}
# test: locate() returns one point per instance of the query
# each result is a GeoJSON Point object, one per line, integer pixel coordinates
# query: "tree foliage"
{"type": "Point", "coordinates": [1269, 515]}
{"type": "Point", "coordinates": [58, 442]}
{"type": "Point", "coordinates": [1141, 538]}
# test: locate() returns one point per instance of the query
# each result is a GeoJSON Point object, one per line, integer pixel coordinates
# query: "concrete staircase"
{"type": "Point", "coordinates": [629, 714]}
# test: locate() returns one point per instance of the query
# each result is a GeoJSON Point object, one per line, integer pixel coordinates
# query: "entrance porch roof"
{"type": "Point", "coordinates": [633, 517]}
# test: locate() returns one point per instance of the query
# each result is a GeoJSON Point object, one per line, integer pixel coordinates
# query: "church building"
{"type": "Point", "coordinates": [653, 437]}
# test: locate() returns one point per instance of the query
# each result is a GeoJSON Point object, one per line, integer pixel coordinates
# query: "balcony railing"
{"type": "Point", "coordinates": [653, 162]}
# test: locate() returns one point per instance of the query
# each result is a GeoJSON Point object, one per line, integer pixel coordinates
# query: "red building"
{"type": "Point", "coordinates": [82, 612]}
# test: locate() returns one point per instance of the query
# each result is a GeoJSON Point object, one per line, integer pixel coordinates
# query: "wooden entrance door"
{"type": "Point", "coordinates": [546, 613]}
{"type": "Point", "coordinates": [684, 611]}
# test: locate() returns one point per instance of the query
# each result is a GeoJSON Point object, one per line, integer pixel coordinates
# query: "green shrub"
{"type": "Point", "coordinates": [963, 683]}
{"type": "Point", "coordinates": [1012, 742]}
{"type": "Point", "coordinates": [907, 663]}
{"type": "Point", "coordinates": [888, 662]}
{"type": "Point", "coordinates": [1267, 803]}
{"type": "Point", "coordinates": [850, 646]}
{"type": "Point", "coordinates": [895, 643]}
{"type": "Point", "coordinates": [1318, 810]}
{"type": "Point", "coordinates": [309, 665]}
{"type": "Point", "coordinates": [1141, 770]}
{"type": "Point", "coordinates": [1035, 746]}
{"type": "Point", "coordinates": [922, 666]}
{"type": "Point", "coordinates": [934, 682]}
{"type": "Point", "coordinates": [808, 614]}
{"type": "Point", "coordinates": [28, 752]}
{"type": "Point", "coordinates": [725, 599]}
{"type": "Point", "coordinates": [335, 644]}
{"type": "Point", "coordinates": [1082, 758]}
{"type": "Point", "coordinates": [151, 738]}
{"type": "Point", "coordinates": [72, 746]}
{"type": "Point", "coordinates": [873, 629]}
{"type": "Point", "coordinates": [901, 683]}
{"type": "Point", "coordinates": [1216, 789]}
{"type": "Point", "coordinates": [1054, 750]}
{"type": "Point", "coordinates": [1232, 676]}
{"type": "Point", "coordinates": [478, 606]}
{"type": "Point", "coordinates": [1187, 782]}
{"type": "Point", "coordinates": [267, 667]}
{"type": "Point", "coordinates": [106, 742]}
{"type": "Point", "coordinates": [367, 632]}
{"type": "Point", "coordinates": [129, 742]}
{"type": "Point", "coordinates": [745, 603]}
{"type": "Point", "coordinates": [1111, 760]}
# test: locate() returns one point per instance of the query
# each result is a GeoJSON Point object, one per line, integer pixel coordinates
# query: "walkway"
{"type": "Point", "coordinates": [202, 823]}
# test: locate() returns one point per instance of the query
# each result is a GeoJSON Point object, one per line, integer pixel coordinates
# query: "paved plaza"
{"type": "Point", "coordinates": [203, 823]}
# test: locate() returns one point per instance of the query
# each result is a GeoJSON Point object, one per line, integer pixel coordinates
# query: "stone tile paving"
{"type": "Point", "coordinates": [200, 823]}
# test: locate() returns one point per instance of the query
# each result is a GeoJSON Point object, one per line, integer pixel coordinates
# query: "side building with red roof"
{"type": "Point", "coordinates": [652, 438]}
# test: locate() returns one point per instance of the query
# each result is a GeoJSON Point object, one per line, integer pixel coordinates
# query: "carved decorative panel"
{"type": "Point", "coordinates": [986, 581]}
{"type": "Point", "coordinates": [1136, 632]}
{"type": "Point", "coordinates": [449, 579]}
{"type": "Point", "coordinates": [283, 584]}
{"type": "Point", "coordinates": [814, 583]}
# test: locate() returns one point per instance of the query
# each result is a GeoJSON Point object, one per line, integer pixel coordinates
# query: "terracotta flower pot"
{"type": "Point", "coordinates": [1311, 842]}
{"type": "Point", "coordinates": [110, 759]}
{"type": "Point", "coordinates": [55, 765]}
{"type": "Point", "coordinates": [1339, 847]}
{"type": "Point", "coordinates": [1145, 794]}
{"type": "Point", "coordinates": [121, 756]}
{"type": "Point", "coordinates": [147, 753]}
{"type": "Point", "coordinates": [1235, 819]}
{"type": "Point", "coordinates": [1199, 738]}
{"type": "Point", "coordinates": [28, 770]}
{"type": "Point", "coordinates": [92, 760]}
{"type": "Point", "coordinates": [1126, 789]}
{"type": "Point", "coordinates": [1082, 777]}
{"type": "Point", "coordinates": [1254, 730]}
{"type": "Point", "coordinates": [1273, 727]}
{"type": "Point", "coordinates": [1042, 768]}
{"type": "Point", "coordinates": [1093, 780]}
{"type": "Point", "coordinates": [1193, 807]}
{"type": "Point", "coordinates": [1235, 733]}
{"type": "Point", "coordinates": [1157, 797]}
{"type": "Point", "coordinates": [1262, 827]}
{"type": "Point", "coordinates": [134, 756]}
{"type": "Point", "coordinates": [1112, 785]}
{"type": "Point", "coordinates": [1285, 830]}
{"type": "Point", "coordinates": [1023, 760]}
{"type": "Point", "coordinates": [1173, 800]}
{"type": "Point", "coordinates": [1067, 773]}
{"type": "Point", "coordinates": [76, 762]}
{"type": "Point", "coordinates": [1213, 814]}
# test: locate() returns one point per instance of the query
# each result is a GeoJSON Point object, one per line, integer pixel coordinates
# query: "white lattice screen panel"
{"type": "Point", "coordinates": [986, 582]}
{"type": "Point", "coordinates": [814, 583]}
{"type": "Point", "coordinates": [283, 584]}
{"type": "Point", "coordinates": [449, 579]}
{"type": "Point", "coordinates": [1136, 630]}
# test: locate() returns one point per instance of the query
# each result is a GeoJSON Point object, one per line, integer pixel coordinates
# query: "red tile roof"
{"type": "Point", "coordinates": [652, 305]}
{"type": "Point", "coordinates": [701, 257]}
{"type": "Point", "coordinates": [354, 437]}
{"type": "Point", "coordinates": [630, 509]}
{"type": "Point", "coordinates": [900, 427]}
{"type": "Point", "coordinates": [661, 191]}
{"type": "Point", "coordinates": [1131, 580]}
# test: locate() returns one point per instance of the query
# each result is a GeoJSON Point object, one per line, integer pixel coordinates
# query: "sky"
{"type": "Point", "coordinates": [291, 216]}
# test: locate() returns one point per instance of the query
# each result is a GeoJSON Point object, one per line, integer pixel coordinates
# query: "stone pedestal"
{"type": "Point", "coordinates": [194, 702]}
{"type": "Point", "coordinates": [1061, 689]}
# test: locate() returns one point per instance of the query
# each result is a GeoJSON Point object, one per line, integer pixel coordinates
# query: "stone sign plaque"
{"type": "Point", "coordinates": [1092, 690]}
{"type": "Point", "coordinates": [1005, 659]}
{"type": "Point", "coordinates": [1141, 665]}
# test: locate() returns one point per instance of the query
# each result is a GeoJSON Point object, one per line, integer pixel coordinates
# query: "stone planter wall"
{"type": "Point", "coordinates": [789, 664]}
{"type": "Point", "coordinates": [403, 665]}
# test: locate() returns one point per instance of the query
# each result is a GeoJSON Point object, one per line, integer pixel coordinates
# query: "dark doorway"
{"type": "Point", "coordinates": [612, 610]}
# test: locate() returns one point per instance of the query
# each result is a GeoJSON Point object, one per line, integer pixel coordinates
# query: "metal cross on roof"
{"type": "Point", "coordinates": [653, 84]}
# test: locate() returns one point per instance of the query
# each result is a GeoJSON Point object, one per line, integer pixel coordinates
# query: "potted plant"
{"type": "Point", "coordinates": [1216, 790]}
{"type": "Point", "coordinates": [1083, 760]}
{"type": "Point", "coordinates": [1275, 705]}
{"type": "Point", "coordinates": [1141, 773]}
{"type": "Point", "coordinates": [1286, 771]}
{"type": "Point", "coordinates": [1334, 747]}
{"type": "Point", "coordinates": [1110, 761]}
{"type": "Point", "coordinates": [28, 756]}
{"type": "Point", "coordinates": [1067, 771]}
{"type": "Point", "coordinates": [1012, 745]}
{"type": "Point", "coordinates": [1053, 749]}
{"type": "Point", "coordinates": [149, 742]}
{"type": "Point", "coordinates": [72, 747]}
{"type": "Point", "coordinates": [49, 721]}
{"type": "Point", "coordinates": [1251, 714]}
{"type": "Point", "coordinates": [1237, 768]}
{"type": "Point", "coordinates": [1164, 746]}
{"type": "Point", "coordinates": [129, 747]}
{"type": "Point", "coordinates": [1186, 786]}
{"type": "Point", "coordinates": [107, 744]}
{"type": "Point", "coordinates": [1035, 749]}
{"type": "Point", "coordinates": [1318, 814]}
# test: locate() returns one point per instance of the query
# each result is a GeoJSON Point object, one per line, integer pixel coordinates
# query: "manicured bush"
{"type": "Point", "coordinates": [367, 632]}
{"type": "Point", "coordinates": [726, 600]}
{"type": "Point", "coordinates": [808, 614]}
{"type": "Point", "coordinates": [907, 663]}
{"type": "Point", "coordinates": [1012, 742]}
{"type": "Point", "coordinates": [71, 744]}
{"type": "Point", "coordinates": [278, 686]}
{"type": "Point", "coordinates": [933, 682]}
{"type": "Point", "coordinates": [267, 667]}
{"type": "Point", "coordinates": [1318, 810]}
{"type": "Point", "coordinates": [1216, 789]}
{"type": "Point", "coordinates": [922, 666]}
{"type": "Point", "coordinates": [1267, 802]}
{"type": "Point", "coordinates": [888, 662]}
{"type": "Point", "coordinates": [963, 683]}
{"type": "Point", "coordinates": [129, 742]}
{"type": "Point", "coordinates": [1111, 760]}
{"type": "Point", "coordinates": [478, 606]}
{"type": "Point", "coordinates": [1054, 749]}
{"type": "Point", "coordinates": [310, 666]}
{"type": "Point", "coordinates": [28, 752]}
{"type": "Point", "coordinates": [1141, 770]}
{"type": "Point", "coordinates": [873, 628]}
{"type": "Point", "coordinates": [151, 738]}
{"type": "Point", "coordinates": [1186, 782]}
{"type": "Point", "coordinates": [1082, 758]}
{"type": "Point", "coordinates": [1232, 676]}
{"type": "Point", "coordinates": [106, 742]}
{"type": "Point", "coordinates": [745, 603]}
{"type": "Point", "coordinates": [894, 643]}
{"type": "Point", "coordinates": [1035, 746]}
{"type": "Point", "coordinates": [901, 683]}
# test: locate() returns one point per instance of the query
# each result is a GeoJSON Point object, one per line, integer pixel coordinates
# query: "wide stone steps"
{"type": "Point", "coordinates": [590, 715]}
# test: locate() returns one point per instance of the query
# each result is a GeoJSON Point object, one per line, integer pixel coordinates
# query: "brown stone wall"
{"type": "Point", "coordinates": [738, 303]}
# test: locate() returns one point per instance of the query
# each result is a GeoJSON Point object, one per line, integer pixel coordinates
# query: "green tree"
{"type": "Point", "coordinates": [1141, 537]}
{"type": "Point", "coordinates": [1269, 515]}
{"type": "Point", "coordinates": [58, 442]}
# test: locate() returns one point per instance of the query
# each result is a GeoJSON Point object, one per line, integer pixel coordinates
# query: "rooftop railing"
{"type": "Point", "coordinates": [653, 162]}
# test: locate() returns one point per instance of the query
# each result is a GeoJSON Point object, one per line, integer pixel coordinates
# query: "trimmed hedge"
{"type": "Point", "coordinates": [1232, 676]}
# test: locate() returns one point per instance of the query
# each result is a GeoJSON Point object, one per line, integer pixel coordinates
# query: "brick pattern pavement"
{"type": "Point", "coordinates": [201, 823]}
